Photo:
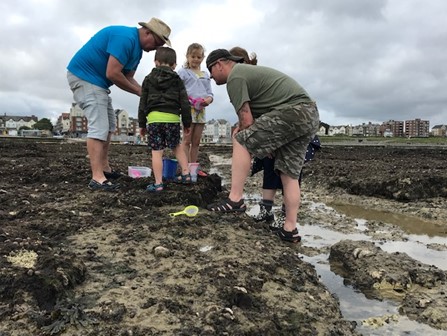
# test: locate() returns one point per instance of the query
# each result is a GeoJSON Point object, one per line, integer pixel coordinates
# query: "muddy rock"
{"type": "Point", "coordinates": [420, 288]}
{"type": "Point", "coordinates": [398, 173]}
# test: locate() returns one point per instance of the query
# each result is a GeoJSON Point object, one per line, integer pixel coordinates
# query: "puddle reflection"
{"type": "Point", "coordinates": [419, 251]}
{"type": "Point", "coordinates": [356, 307]}
{"type": "Point", "coordinates": [409, 224]}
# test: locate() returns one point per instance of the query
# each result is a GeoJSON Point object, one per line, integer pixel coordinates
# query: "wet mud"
{"type": "Point", "coordinates": [78, 262]}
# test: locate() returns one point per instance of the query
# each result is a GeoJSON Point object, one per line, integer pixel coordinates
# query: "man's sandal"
{"type": "Point", "coordinates": [289, 236]}
{"type": "Point", "coordinates": [183, 179]}
{"type": "Point", "coordinates": [155, 187]}
{"type": "Point", "coordinates": [227, 205]}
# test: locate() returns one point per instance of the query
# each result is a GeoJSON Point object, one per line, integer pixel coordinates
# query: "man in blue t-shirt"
{"type": "Point", "coordinates": [110, 57]}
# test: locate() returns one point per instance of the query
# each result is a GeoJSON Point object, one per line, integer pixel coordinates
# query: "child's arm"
{"type": "Point", "coordinates": [209, 92]}
{"type": "Point", "coordinates": [185, 107]}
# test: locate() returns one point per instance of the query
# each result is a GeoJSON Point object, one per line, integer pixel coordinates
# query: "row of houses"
{"type": "Point", "coordinates": [74, 124]}
{"type": "Point", "coordinates": [416, 128]}
{"type": "Point", "coordinates": [10, 125]}
{"type": "Point", "coordinates": [219, 130]}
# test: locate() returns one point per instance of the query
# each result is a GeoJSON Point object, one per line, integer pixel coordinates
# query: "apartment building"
{"type": "Point", "coordinates": [417, 128]}
{"type": "Point", "coordinates": [392, 128]}
{"type": "Point", "coordinates": [78, 121]}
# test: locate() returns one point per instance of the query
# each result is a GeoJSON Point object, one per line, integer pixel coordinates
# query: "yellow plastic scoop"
{"type": "Point", "coordinates": [190, 211]}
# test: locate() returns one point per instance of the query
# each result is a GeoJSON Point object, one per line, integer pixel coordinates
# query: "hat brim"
{"type": "Point", "coordinates": [163, 38]}
{"type": "Point", "coordinates": [237, 59]}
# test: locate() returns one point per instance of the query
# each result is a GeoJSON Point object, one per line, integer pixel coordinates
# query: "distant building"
{"type": "Point", "coordinates": [322, 130]}
{"type": "Point", "coordinates": [337, 130]}
{"type": "Point", "coordinates": [357, 131]}
{"type": "Point", "coordinates": [439, 130]}
{"type": "Point", "coordinates": [133, 126]}
{"type": "Point", "coordinates": [125, 126]}
{"type": "Point", "coordinates": [371, 130]}
{"type": "Point", "coordinates": [217, 131]}
{"type": "Point", "coordinates": [417, 128]}
{"type": "Point", "coordinates": [392, 128]}
{"type": "Point", "coordinates": [78, 122]}
{"type": "Point", "coordinates": [363, 130]}
{"type": "Point", "coordinates": [122, 124]}
{"type": "Point", "coordinates": [10, 125]}
{"type": "Point", "coordinates": [62, 124]}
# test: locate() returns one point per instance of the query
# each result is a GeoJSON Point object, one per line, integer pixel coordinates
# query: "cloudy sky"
{"type": "Point", "coordinates": [362, 61]}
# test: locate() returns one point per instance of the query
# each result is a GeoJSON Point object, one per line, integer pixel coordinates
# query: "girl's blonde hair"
{"type": "Point", "coordinates": [191, 48]}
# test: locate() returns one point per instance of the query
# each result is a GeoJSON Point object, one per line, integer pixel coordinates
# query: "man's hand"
{"type": "Point", "coordinates": [143, 131]}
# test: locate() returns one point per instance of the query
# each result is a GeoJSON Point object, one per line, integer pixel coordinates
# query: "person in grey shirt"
{"type": "Point", "coordinates": [277, 118]}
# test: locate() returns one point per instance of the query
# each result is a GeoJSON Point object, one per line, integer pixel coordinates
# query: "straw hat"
{"type": "Point", "coordinates": [159, 28]}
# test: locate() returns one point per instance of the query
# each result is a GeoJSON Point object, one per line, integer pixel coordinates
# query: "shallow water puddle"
{"type": "Point", "coordinates": [409, 224]}
{"type": "Point", "coordinates": [353, 304]}
{"type": "Point", "coordinates": [417, 249]}
{"type": "Point", "coordinates": [356, 307]}
{"type": "Point", "coordinates": [415, 245]}
{"type": "Point", "coordinates": [218, 160]}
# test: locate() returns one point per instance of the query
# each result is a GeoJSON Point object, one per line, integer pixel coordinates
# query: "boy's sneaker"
{"type": "Point", "coordinates": [264, 215]}
{"type": "Point", "coordinates": [279, 221]}
{"type": "Point", "coordinates": [106, 185]}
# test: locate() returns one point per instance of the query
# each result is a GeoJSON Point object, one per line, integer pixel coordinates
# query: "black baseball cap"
{"type": "Point", "coordinates": [218, 54]}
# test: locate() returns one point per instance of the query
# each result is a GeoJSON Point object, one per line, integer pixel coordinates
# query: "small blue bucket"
{"type": "Point", "coordinates": [169, 169]}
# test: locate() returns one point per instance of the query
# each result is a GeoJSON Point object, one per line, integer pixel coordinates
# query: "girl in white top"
{"type": "Point", "coordinates": [198, 86]}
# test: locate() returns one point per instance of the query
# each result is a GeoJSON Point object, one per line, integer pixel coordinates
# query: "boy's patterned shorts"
{"type": "Point", "coordinates": [163, 135]}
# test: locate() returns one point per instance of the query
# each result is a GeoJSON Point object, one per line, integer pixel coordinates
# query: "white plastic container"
{"type": "Point", "coordinates": [193, 167]}
{"type": "Point", "coordinates": [137, 172]}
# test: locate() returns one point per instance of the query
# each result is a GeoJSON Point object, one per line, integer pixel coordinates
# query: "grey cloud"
{"type": "Point", "coordinates": [360, 60]}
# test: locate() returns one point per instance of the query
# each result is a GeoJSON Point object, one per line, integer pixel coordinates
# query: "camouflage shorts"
{"type": "Point", "coordinates": [285, 133]}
